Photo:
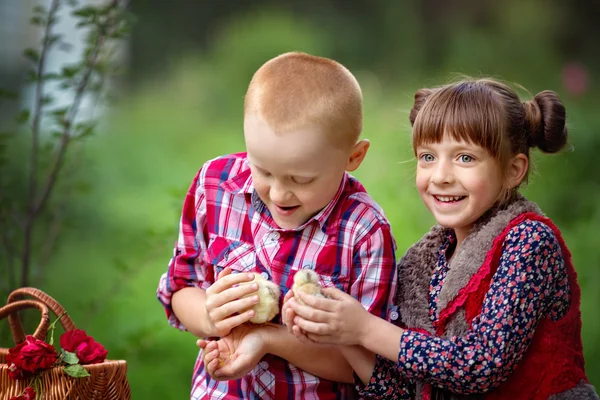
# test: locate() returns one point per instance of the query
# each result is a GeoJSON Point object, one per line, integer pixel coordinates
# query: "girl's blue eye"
{"type": "Point", "coordinates": [465, 158]}
{"type": "Point", "coordinates": [427, 157]}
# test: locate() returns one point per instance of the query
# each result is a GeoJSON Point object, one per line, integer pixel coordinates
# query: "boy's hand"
{"type": "Point", "coordinates": [339, 320]}
{"type": "Point", "coordinates": [235, 355]}
{"type": "Point", "coordinates": [224, 303]}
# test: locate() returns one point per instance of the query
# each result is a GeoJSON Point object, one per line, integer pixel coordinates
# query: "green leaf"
{"type": "Point", "coordinates": [47, 99]}
{"type": "Point", "coordinates": [38, 20]}
{"type": "Point", "coordinates": [51, 76]}
{"type": "Point", "coordinates": [85, 12]}
{"type": "Point", "coordinates": [70, 72]}
{"type": "Point", "coordinates": [76, 371]}
{"type": "Point", "coordinates": [23, 116]}
{"type": "Point", "coordinates": [40, 10]}
{"type": "Point", "coordinates": [60, 112]}
{"type": "Point", "coordinates": [32, 54]}
{"type": "Point", "coordinates": [70, 358]}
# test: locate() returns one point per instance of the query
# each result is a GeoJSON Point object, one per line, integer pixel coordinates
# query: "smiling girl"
{"type": "Point", "coordinates": [488, 300]}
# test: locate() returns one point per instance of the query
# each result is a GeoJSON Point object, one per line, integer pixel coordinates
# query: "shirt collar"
{"type": "Point", "coordinates": [242, 184]}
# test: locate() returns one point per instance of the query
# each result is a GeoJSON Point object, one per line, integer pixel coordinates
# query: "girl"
{"type": "Point", "coordinates": [488, 300]}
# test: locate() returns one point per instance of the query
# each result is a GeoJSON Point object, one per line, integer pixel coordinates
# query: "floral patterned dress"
{"type": "Point", "coordinates": [531, 283]}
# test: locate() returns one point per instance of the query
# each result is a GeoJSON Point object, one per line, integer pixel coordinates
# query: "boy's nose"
{"type": "Point", "coordinates": [279, 194]}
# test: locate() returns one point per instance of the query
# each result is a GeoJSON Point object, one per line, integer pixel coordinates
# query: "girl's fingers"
{"type": "Point", "coordinates": [299, 334]}
{"type": "Point", "coordinates": [312, 327]}
{"type": "Point", "coordinates": [319, 303]}
{"type": "Point", "coordinates": [309, 313]}
{"type": "Point", "coordinates": [288, 319]}
{"type": "Point", "coordinates": [335, 293]}
{"type": "Point", "coordinates": [288, 295]}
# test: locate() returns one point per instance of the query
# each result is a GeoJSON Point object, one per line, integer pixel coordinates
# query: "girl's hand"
{"type": "Point", "coordinates": [224, 303]}
{"type": "Point", "coordinates": [339, 320]}
{"type": "Point", "coordinates": [235, 355]}
{"type": "Point", "coordinates": [287, 313]}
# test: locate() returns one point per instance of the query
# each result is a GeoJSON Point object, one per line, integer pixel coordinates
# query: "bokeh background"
{"type": "Point", "coordinates": [179, 103]}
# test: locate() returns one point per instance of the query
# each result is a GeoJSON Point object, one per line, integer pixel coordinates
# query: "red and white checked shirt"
{"type": "Point", "coordinates": [224, 223]}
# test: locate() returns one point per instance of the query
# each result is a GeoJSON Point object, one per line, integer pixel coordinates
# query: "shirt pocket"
{"type": "Point", "coordinates": [237, 255]}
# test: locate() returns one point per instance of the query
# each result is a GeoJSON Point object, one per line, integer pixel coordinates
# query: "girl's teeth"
{"type": "Point", "coordinates": [448, 198]}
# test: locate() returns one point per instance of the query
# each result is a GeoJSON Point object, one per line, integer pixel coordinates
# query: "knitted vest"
{"type": "Point", "coordinates": [553, 365]}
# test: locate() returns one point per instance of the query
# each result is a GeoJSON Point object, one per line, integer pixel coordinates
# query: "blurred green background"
{"type": "Point", "coordinates": [180, 103]}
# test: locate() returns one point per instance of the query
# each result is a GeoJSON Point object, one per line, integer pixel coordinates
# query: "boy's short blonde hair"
{"type": "Point", "coordinates": [297, 89]}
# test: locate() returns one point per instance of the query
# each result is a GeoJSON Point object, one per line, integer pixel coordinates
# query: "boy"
{"type": "Point", "coordinates": [286, 204]}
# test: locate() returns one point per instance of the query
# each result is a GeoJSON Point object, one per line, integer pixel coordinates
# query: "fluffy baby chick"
{"type": "Point", "coordinates": [307, 281]}
{"type": "Point", "coordinates": [268, 300]}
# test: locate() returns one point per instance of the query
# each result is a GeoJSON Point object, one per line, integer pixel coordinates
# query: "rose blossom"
{"type": "Point", "coordinates": [71, 339]}
{"type": "Point", "coordinates": [85, 347]}
{"type": "Point", "coordinates": [31, 355]}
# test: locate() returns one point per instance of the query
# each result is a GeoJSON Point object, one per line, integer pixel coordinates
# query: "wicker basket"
{"type": "Point", "coordinates": [107, 380]}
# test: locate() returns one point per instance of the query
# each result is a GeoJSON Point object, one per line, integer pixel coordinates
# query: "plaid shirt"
{"type": "Point", "coordinates": [225, 224]}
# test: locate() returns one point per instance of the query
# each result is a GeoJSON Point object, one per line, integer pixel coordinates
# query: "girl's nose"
{"type": "Point", "coordinates": [442, 174]}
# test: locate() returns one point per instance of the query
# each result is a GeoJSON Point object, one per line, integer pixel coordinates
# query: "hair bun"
{"type": "Point", "coordinates": [545, 116]}
{"type": "Point", "coordinates": [420, 96]}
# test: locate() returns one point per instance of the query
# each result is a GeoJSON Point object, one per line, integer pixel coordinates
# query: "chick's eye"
{"type": "Point", "coordinates": [465, 158]}
{"type": "Point", "coordinates": [427, 157]}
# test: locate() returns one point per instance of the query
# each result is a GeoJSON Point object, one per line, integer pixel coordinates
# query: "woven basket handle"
{"type": "Point", "coordinates": [15, 323]}
{"type": "Point", "coordinates": [12, 309]}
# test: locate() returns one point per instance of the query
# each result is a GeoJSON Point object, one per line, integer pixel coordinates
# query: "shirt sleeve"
{"type": "Point", "coordinates": [385, 383]}
{"type": "Point", "coordinates": [186, 267]}
{"type": "Point", "coordinates": [531, 283]}
{"type": "Point", "coordinates": [374, 264]}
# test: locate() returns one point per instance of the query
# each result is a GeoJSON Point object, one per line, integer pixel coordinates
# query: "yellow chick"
{"type": "Point", "coordinates": [268, 300]}
{"type": "Point", "coordinates": [307, 281]}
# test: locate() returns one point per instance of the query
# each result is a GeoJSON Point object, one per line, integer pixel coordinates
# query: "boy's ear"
{"type": "Point", "coordinates": [517, 170]}
{"type": "Point", "coordinates": [358, 154]}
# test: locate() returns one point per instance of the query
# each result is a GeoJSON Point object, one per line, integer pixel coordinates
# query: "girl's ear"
{"type": "Point", "coordinates": [358, 155]}
{"type": "Point", "coordinates": [517, 171]}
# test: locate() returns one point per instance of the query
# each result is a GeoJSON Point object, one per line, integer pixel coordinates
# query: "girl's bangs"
{"type": "Point", "coordinates": [467, 114]}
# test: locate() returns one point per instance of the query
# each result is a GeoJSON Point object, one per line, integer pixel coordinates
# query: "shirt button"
{"type": "Point", "coordinates": [264, 275]}
{"type": "Point", "coordinates": [264, 365]}
{"type": "Point", "coordinates": [274, 236]}
{"type": "Point", "coordinates": [394, 315]}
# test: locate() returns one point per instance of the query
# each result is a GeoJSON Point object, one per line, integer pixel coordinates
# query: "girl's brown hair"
{"type": "Point", "coordinates": [490, 114]}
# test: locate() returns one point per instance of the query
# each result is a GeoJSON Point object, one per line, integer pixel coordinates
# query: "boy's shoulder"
{"type": "Point", "coordinates": [223, 168]}
{"type": "Point", "coordinates": [358, 206]}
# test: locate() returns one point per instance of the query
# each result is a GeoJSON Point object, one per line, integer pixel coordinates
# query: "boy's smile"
{"type": "Point", "coordinates": [296, 173]}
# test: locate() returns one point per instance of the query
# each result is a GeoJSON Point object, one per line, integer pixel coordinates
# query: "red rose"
{"type": "Point", "coordinates": [31, 355]}
{"type": "Point", "coordinates": [91, 352]}
{"type": "Point", "coordinates": [15, 372]}
{"type": "Point", "coordinates": [29, 394]}
{"type": "Point", "coordinates": [71, 339]}
{"type": "Point", "coordinates": [85, 347]}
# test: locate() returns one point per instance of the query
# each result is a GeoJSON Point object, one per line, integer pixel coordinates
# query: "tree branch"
{"type": "Point", "coordinates": [35, 133]}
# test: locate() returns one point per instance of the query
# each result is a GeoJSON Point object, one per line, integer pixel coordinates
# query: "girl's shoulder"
{"type": "Point", "coordinates": [530, 235]}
